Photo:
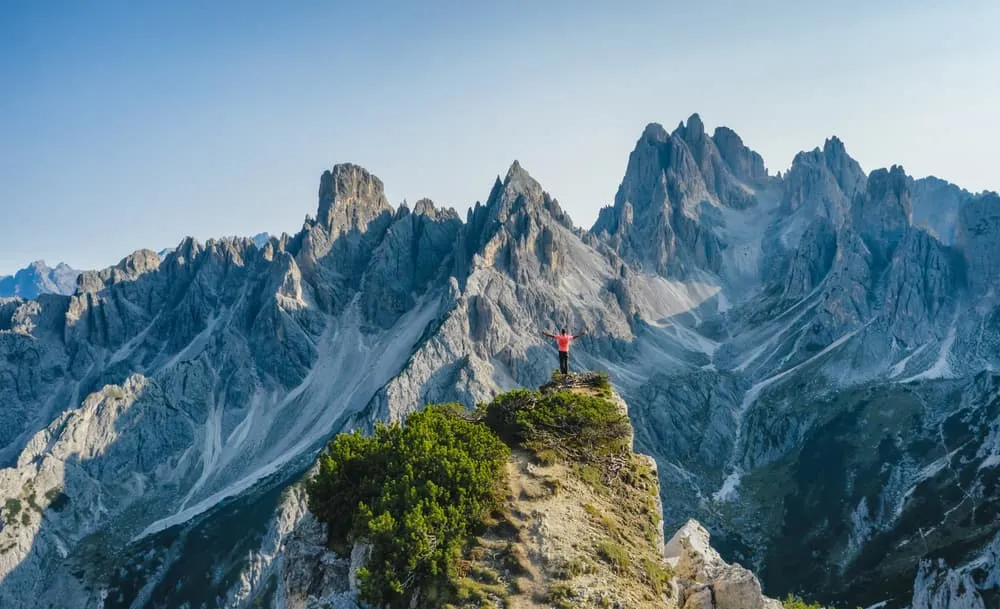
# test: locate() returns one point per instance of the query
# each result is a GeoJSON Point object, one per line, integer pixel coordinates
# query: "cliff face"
{"type": "Point", "coordinates": [573, 533]}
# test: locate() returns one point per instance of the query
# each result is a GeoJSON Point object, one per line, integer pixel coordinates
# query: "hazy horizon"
{"type": "Point", "coordinates": [133, 126]}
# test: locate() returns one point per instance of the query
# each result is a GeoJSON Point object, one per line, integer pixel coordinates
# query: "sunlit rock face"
{"type": "Point", "coordinates": [808, 356]}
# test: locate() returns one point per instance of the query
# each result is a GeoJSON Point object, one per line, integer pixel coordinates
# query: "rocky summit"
{"type": "Point", "coordinates": [809, 357]}
{"type": "Point", "coordinates": [573, 530]}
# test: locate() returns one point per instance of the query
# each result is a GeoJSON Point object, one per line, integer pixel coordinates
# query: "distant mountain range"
{"type": "Point", "coordinates": [38, 278]}
{"type": "Point", "coordinates": [808, 356]}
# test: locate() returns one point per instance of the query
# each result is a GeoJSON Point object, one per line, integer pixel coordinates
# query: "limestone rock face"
{"type": "Point", "coordinates": [936, 205]}
{"type": "Point", "coordinates": [704, 580]}
{"type": "Point", "coordinates": [883, 214]}
{"type": "Point", "coordinates": [745, 164]}
{"type": "Point", "coordinates": [657, 218]}
{"type": "Point", "coordinates": [812, 260]}
{"type": "Point", "coordinates": [350, 198]}
{"type": "Point", "coordinates": [978, 232]}
{"type": "Point", "coordinates": [759, 327]}
{"type": "Point", "coordinates": [820, 184]}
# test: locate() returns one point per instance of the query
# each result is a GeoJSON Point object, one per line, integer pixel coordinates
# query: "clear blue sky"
{"type": "Point", "coordinates": [132, 124]}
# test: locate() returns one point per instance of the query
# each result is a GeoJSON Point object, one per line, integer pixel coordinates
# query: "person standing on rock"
{"type": "Point", "coordinates": [563, 341]}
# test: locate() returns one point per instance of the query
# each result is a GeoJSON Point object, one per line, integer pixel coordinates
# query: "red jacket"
{"type": "Point", "coordinates": [563, 340]}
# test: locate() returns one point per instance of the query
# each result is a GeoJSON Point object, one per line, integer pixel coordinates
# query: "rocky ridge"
{"type": "Point", "coordinates": [558, 551]}
{"type": "Point", "coordinates": [728, 304]}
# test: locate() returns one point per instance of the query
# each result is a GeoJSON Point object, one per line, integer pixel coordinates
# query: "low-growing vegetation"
{"type": "Point", "coordinates": [614, 553]}
{"type": "Point", "coordinates": [584, 428]}
{"type": "Point", "coordinates": [430, 498]}
{"type": "Point", "coordinates": [415, 492]}
{"type": "Point", "coordinates": [796, 602]}
{"type": "Point", "coordinates": [11, 509]}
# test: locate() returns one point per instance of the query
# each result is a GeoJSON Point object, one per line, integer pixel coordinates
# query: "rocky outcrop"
{"type": "Point", "coordinates": [334, 248]}
{"type": "Point", "coordinates": [418, 246]}
{"type": "Point", "coordinates": [704, 581]}
{"type": "Point", "coordinates": [979, 240]}
{"type": "Point", "coordinates": [936, 204]}
{"type": "Point", "coordinates": [973, 585]}
{"type": "Point", "coordinates": [812, 260]}
{"type": "Point", "coordinates": [567, 540]}
{"type": "Point", "coordinates": [293, 568]}
{"type": "Point", "coordinates": [745, 164]}
{"type": "Point", "coordinates": [882, 214]}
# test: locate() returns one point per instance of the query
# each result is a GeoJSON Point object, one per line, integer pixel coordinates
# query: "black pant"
{"type": "Point", "coordinates": [564, 362]}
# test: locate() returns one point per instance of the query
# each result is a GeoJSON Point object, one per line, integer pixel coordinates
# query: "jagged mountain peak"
{"type": "Point", "coordinates": [521, 194]}
{"type": "Point", "coordinates": [883, 183]}
{"type": "Point", "coordinates": [824, 181]}
{"type": "Point", "coordinates": [655, 132]}
{"type": "Point", "coordinates": [516, 230]}
{"type": "Point", "coordinates": [672, 180]}
{"type": "Point", "coordinates": [349, 198]}
{"type": "Point", "coordinates": [691, 131]}
{"type": "Point", "coordinates": [519, 182]}
{"type": "Point", "coordinates": [834, 146]}
{"type": "Point", "coordinates": [424, 207]}
{"type": "Point", "coordinates": [883, 213]}
{"type": "Point", "coordinates": [516, 171]}
{"type": "Point", "coordinates": [129, 268]}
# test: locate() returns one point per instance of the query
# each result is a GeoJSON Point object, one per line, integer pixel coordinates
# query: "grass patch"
{"type": "Point", "coordinates": [658, 575]}
{"type": "Point", "coordinates": [605, 520]}
{"type": "Point", "coordinates": [547, 457]}
{"type": "Point", "coordinates": [514, 560]}
{"type": "Point", "coordinates": [114, 392]}
{"type": "Point", "coordinates": [560, 595]}
{"type": "Point", "coordinates": [484, 575]}
{"type": "Point", "coordinates": [614, 554]}
{"type": "Point", "coordinates": [11, 509]}
{"type": "Point", "coordinates": [591, 474]}
{"type": "Point", "coordinates": [568, 569]}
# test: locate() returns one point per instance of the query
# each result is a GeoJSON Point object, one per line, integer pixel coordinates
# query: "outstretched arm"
{"type": "Point", "coordinates": [544, 333]}
{"type": "Point", "coordinates": [582, 332]}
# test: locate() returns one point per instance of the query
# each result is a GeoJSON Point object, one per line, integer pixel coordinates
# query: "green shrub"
{"type": "Point", "coordinates": [581, 426]}
{"type": "Point", "coordinates": [11, 508]}
{"type": "Point", "coordinates": [415, 491]}
{"type": "Point", "coordinates": [795, 602]}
